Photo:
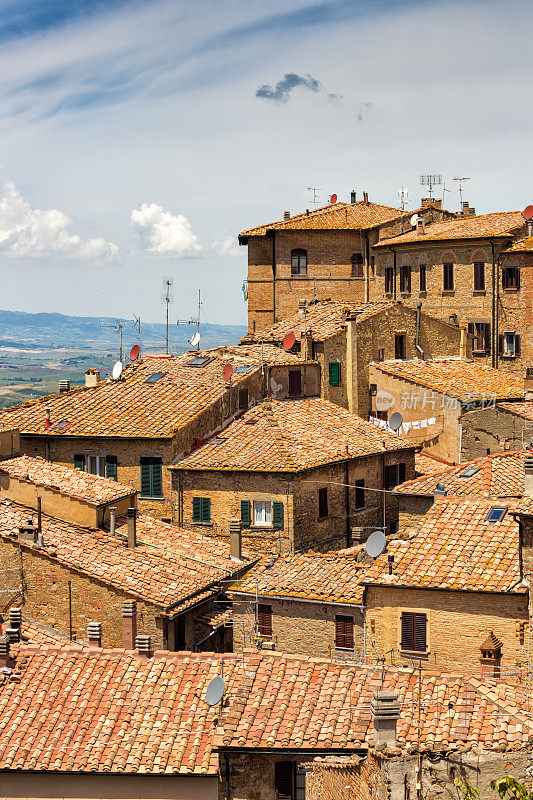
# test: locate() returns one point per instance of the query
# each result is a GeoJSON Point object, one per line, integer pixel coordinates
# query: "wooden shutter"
{"type": "Point", "coordinates": [197, 509]}
{"type": "Point", "coordinates": [284, 780]}
{"type": "Point", "coordinates": [517, 344]}
{"type": "Point", "coordinates": [486, 343]}
{"type": "Point", "coordinates": [246, 513]}
{"type": "Point", "coordinates": [343, 631]}
{"type": "Point", "coordinates": [243, 398]}
{"type": "Point", "coordinates": [206, 509]}
{"type": "Point", "coordinates": [334, 373]}
{"type": "Point", "coordinates": [264, 619]}
{"type": "Point", "coordinates": [359, 494]}
{"type": "Point", "coordinates": [339, 631]}
{"type": "Point", "coordinates": [277, 514]}
{"type": "Point", "coordinates": [157, 477]}
{"type": "Point", "coordinates": [501, 344]}
{"type": "Point", "coordinates": [407, 631]}
{"type": "Point", "coordinates": [420, 632]}
{"type": "Point", "coordinates": [79, 462]}
{"type": "Point", "coordinates": [422, 277]}
{"type": "Point", "coordinates": [111, 467]}
{"type": "Point", "coordinates": [146, 474]}
{"type": "Point", "coordinates": [413, 631]}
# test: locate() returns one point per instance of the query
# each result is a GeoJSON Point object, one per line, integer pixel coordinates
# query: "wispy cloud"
{"type": "Point", "coordinates": [163, 233]}
{"type": "Point", "coordinates": [280, 93]}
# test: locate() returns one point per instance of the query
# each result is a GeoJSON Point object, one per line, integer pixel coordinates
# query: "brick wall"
{"type": "Point", "coordinates": [493, 430]}
{"type": "Point", "coordinates": [345, 778]}
{"type": "Point", "coordinates": [411, 509]}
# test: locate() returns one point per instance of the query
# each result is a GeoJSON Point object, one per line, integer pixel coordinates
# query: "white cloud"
{"type": "Point", "coordinates": [33, 233]}
{"type": "Point", "coordinates": [163, 233]}
{"type": "Point", "coordinates": [229, 246]}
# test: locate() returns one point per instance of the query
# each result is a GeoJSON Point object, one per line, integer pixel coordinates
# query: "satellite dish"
{"type": "Point", "coordinates": [375, 544]}
{"type": "Point", "coordinates": [227, 372]}
{"type": "Point", "coordinates": [289, 341]}
{"type": "Point", "coordinates": [414, 220]}
{"type": "Point", "coordinates": [195, 339]}
{"type": "Point", "coordinates": [528, 212]}
{"type": "Point", "coordinates": [135, 352]}
{"type": "Point", "coordinates": [396, 421]}
{"type": "Point", "coordinates": [215, 691]}
{"type": "Point", "coordinates": [117, 371]}
{"type": "Point", "coordinates": [333, 198]}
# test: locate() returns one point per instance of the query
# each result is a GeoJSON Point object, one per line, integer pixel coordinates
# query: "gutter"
{"type": "Point", "coordinates": [447, 588]}
{"type": "Point", "coordinates": [298, 599]}
{"type": "Point", "coordinates": [417, 339]}
{"type": "Point", "coordinates": [494, 308]}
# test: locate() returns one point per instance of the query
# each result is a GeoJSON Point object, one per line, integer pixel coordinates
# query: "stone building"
{"type": "Point", "coordinates": [436, 594]}
{"type": "Point", "coordinates": [345, 337]}
{"type": "Point", "coordinates": [473, 270]}
{"type": "Point", "coordinates": [433, 395]}
{"type": "Point", "coordinates": [505, 426]}
{"type": "Point", "coordinates": [160, 408]}
{"type": "Point", "coordinates": [296, 474]}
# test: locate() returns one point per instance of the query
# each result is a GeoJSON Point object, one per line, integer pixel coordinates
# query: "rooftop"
{"type": "Point", "coordinates": [467, 381]}
{"type": "Point", "coordinates": [426, 464]}
{"type": "Point", "coordinates": [496, 475]}
{"type": "Point", "coordinates": [332, 217]}
{"type": "Point", "coordinates": [524, 409]}
{"type": "Point", "coordinates": [496, 224]}
{"type": "Point", "coordinates": [523, 245]}
{"type": "Point", "coordinates": [75, 483]}
{"type": "Point", "coordinates": [456, 548]}
{"type": "Point", "coordinates": [168, 567]}
{"type": "Point", "coordinates": [291, 435]}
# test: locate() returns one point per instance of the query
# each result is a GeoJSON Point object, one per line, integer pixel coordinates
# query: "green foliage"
{"type": "Point", "coordinates": [510, 786]}
{"type": "Point", "coordinates": [466, 790]}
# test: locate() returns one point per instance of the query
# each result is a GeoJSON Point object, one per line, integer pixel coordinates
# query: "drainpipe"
{"type": "Point", "coordinates": [417, 340]}
{"type": "Point", "coordinates": [393, 251]}
{"type": "Point", "coordinates": [367, 269]}
{"type": "Point", "coordinates": [494, 310]}
{"type": "Point", "coordinates": [274, 277]}
{"type": "Point", "coordinates": [347, 503]}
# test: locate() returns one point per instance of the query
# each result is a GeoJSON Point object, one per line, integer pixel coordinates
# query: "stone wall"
{"type": "Point", "coordinates": [493, 430]}
{"type": "Point", "coordinates": [411, 509]}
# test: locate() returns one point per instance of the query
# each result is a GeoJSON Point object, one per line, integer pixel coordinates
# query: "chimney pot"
{"type": "Point", "coordinates": [13, 634]}
{"type": "Point", "coordinates": [5, 660]}
{"type": "Point", "coordinates": [94, 634]}
{"type": "Point", "coordinates": [420, 226]}
{"type": "Point", "coordinates": [15, 621]}
{"type": "Point", "coordinates": [301, 307]}
{"type": "Point", "coordinates": [286, 215]}
{"type": "Point", "coordinates": [235, 539]}
{"type": "Point", "coordinates": [353, 197]}
{"type": "Point", "coordinates": [143, 643]}
{"type": "Point", "coordinates": [92, 377]}
{"type": "Point", "coordinates": [64, 386]}
{"type": "Point", "coordinates": [440, 490]}
{"type": "Point", "coordinates": [132, 527]}
{"type": "Point", "coordinates": [129, 624]}
{"type": "Point", "coordinates": [112, 520]}
{"type": "Point", "coordinates": [385, 710]}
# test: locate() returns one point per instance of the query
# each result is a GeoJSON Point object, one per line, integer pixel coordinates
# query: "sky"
{"type": "Point", "coordinates": [138, 138]}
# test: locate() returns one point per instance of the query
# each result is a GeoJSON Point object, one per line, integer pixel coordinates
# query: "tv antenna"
{"type": "Point", "coordinates": [403, 194]}
{"type": "Point", "coordinates": [430, 181]}
{"type": "Point", "coordinates": [195, 338]}
{"type": "Point", "coordinates": [137, 321]}
{"type": "Point", "coordinates": [117, 327]}
{"type": "Point", "coordinates": [315, 191]}
{"type": "Point", "coordinates": [167, 298]}
{"type": "Point", "coordinates": [460, 181]}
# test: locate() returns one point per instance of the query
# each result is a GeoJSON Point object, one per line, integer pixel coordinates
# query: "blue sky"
{"type": "Point", "coordinates": [137, 139]}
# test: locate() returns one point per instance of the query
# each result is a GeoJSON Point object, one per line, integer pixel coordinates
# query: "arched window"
{"type": "Point", "coordinates": [299, 262]}
{"type": "Point", "coordinates": [357, 265]}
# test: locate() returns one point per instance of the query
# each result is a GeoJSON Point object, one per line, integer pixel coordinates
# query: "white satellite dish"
{"type": "Point", "coordinates": [396, 421]}
{"type": "Point", "coordinates": [117, 371]}
{"type": "Point", "coordinates": [215, 691]}
{"type": "Point", "coordinates": [414, 220]}
{"type": "Point", "coordinates": [195, 339]}
{"type": "Point", "coordinates": [375, 544]}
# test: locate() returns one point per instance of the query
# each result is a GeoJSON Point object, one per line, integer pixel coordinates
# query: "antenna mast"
{"type": "Point", "coordinates": [137, 321]}
{"type": "Point", "coordinates": [315, 191]}
{"type": "Point", "coordinates": [167, 298]}
{"type": "Point", "coordinates": [460, 181]}
{"type": "Point", "coordinates": [430, 181]}
{"type": "Point", "coordinates": [117, 327]}
{"type": "Point", "coordinates": [194, 321]}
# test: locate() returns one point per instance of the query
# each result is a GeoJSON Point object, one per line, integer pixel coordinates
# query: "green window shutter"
{"type": "Point", "coordinates": [111, 467]}
{"type": "Point", "coordinates": [334, 373]}
{"type": "Point", "coordinates": [277, 514]}
{"type": "Point", "coordinates": [197, 509]}
{"type": "Point", "coordinates": [151, 476]}
{"type": "Point", "coordinates": [246, 513]}
{"type": "Point", "coordinates": [157, 477]}
{"type": "Point", "coordinates": [206, 509]}
{"type": "Point", "coordinates": [146, 483]}
{"type": "Point", "coordinates": [79, 462]}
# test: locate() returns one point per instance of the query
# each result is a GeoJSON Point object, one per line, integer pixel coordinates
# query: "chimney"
{"type": "Point", "coordinates": [491, 656]}
{"type": "Point", "coordinates": [385, 710]}
{"type": "Point", "coordinates": [92, 377]}
{"type": "Point", "coordinates": [94, 634]}
{"type": "Point", "coordinates": [437, 203]}
{"type": "Point", "coordinates": [47, 418]}
{"type": "Point", "coordinates": [307, 211]}
{"type": "Point", "coordinates": [359, 535]}
{"type": "Point", "coordinates": [129, 624]}
{"type": "Point", "coordinates": [306, 345]}
{"type": "Point", "coordinates": [420, 226]}
{"type": "Point", "coordinates": [235, 540]}
{"type": "Point", "coordinates": [112, 520]}
{"type": "Point", "coordinates": [365, 199]}
{"type": "Point", "coordinates": [143, 644]}
{"type": "Point", "coordinates": [439, 491]}
{"type": "Point", "coordinates": [286, 215]}
{"type": "Point", "coordinates": [426, 201]}
{"type": "Point", "coordinates": [5, 661]}
{"type": "Point", "coordinates": [528, 476]}
{"type": "Point", "coordinates": [64, 386]}
{"type": "Point", "coordinates": [301, 307]}
{"type": "Point", "coordinates": [463, 342]}
{"type": "Point", "coordinates": [132, 527]}
{"type": "Point", "coordinates": [466, 208]}
{"type": "Point", "coordinates": [15, 625]}
{"type": "Point", "coordinates": [353, 197]}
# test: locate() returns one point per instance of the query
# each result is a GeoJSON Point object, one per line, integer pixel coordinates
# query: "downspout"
{"type": "Point", "coordinates": [347, 503]}
{"type": "Point", "coordinates": [393, 251]}
{"type": "Point", "coordinates": [383, 494]}
{"type": "Point", "coordinates": [494, 314]}
{"type": "Point", "coordinates": [179, 500]}
{"type": "Point", "coordinates": [226, 759]}
{"type": "Point", "coordinates": [367, 269]}
{"type": "Point", "coordinates": [417, 340]}
{"type": "Point", "coordinates": [274, 277]}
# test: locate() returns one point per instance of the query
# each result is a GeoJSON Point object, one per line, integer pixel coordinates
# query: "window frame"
{"type": "Point", "coordinates": [265, 609]}
{"type": "Point", "coordinates": [400, 470]}
{"type": "Point", "coordinates": [503, 345]}
{"type": "Point", "coordinates": [243, 398]}
{"type": "Point", "coordinates": [357, 262]}
{"type": "Point", "coordinates": [344, 632]}
{"type": "Point", "coordinates": [100, 462]}
{"type": "Point", "coordinates": [389, 280]}
{"type": "Point", "coordinates": [300, 267]}
{"type": "Point", "coordinates": [263, 519]}
{"type": "Point", "coordinates": [405, 279]}
{"type": "Point", "coordinates": [293, 393]}
{"type": "Point", "coordinates": [479, 276]}
{"type": "Point", "coordinates": [448, 278]}
{"type": "Point", "coordinates": [399, 338]}
{"type": "Point", "coordinates": [483, 340]}
{"type": "Point", "coordinates": [409, 645]}
{"type": "Point", "coordinates": [514, 285]}
{"type": "Point", "coordinates": [422, 271]}
{"type": "Point", "coordinates": [152, 461]}
{"type": "Point", "coordinates": [203, 504]}
{"type": "Point", "coordinates": [360, 496]}
{"type": "Point", "coordinates": [323, 511]}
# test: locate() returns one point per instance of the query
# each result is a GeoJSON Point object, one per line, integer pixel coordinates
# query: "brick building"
{"type": "Point", "coordinates": [308, 604]}
{"type": "Point", "coordinates": [432, 396]}
{"type": "Point", "coordinates": [160, 408]}
{"type": "Point", "coordinates": [297, 474]}
{"type": "Point", "coordinates": [436, 594]}
{"type": "Point", "coordinates": [474, 270]}
{"type": "Point", "coordinates": [506, 426]}
{"type": "Point", "coordinates": [345, 337]}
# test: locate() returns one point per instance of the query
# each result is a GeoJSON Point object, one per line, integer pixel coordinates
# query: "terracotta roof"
{"type": "Point", "coordinates": [34, 632]}
{"type": "Point", "coordinates": [73, 482]}
{"type": "Point", "coordinates": [496, 475]}
{"type": "Point", "coordinates": [524, 409]}
{"type": "Point", "coordinates": [343, 216]}
{"type": "Point", "coordinates": [168, 566]}
{"type": "Point", "coordinates": [140, 405]}
{"type": "Point", "coordinates": [524, 245]}
{"type": "Point", "coordinates": [324, 318]}
{"type": "Point", "coordinates": [291, 435]}
{"type": "Point", "coordinates": [426, 464]}
{"type": "Point", "coordinates": [455, 548]}
{"type": "Point", "coordinates": [499, 223]}
{"type": "Point", "coordinates": [467, 381]}
{"type": "Point", "coordinates": [331, 577]}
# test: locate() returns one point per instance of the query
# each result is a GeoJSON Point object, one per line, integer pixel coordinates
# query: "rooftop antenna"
{"type": "Point", "coordinates": [117, 327]}
{"type": "Point", "coordinates": [460, 181]}
{"type": "Point", "coordinates": [195, 338]}
{"type": "Point", "coordinates": [137, 321]}
{"type": "Point", "coordinates": [167, 298]}
{"type": "Point", "coordinates": [315, 191]}
{"type": "Point", "coordinates": [403, 194]}
{"type": "Point", "coordinates": [430, 181]}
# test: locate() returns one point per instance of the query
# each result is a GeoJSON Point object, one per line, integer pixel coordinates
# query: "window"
{"type": "Point", "coordinates": [284, 780]}
{"type": "Point", "coordinates": [262, 512]}
{"type": "Point", "coordinates": [479, 276]}
{"type": "Point", "coordinates": [201, 509]}
{"type": "Point", "coordinates": [389, 280]}
{"type": "Point", "coordinates": [468, 472]}
{"type": "Point", "coordinates": [201, 361]}
{"type": "Point", "coordinates": [243, 398]}
{"type": "Point", "coordinates": [295, 382]}
{"type": "Point", "coordinates": [509, 344]}
{"type": "Point", "coordinates": [481, 333]}
{"type": "Point", "coordinates": [246, 513]}
{"type": "Point", "coordinates": [510, 278]}
{"type": "Point", "coordinates": [496, 514]}
{"type": "Point", "coordinates": [357, 265]}
{"type": "Point", "coordinates": [422, 277]}
{"type": "Point", "coordinates": [152, 476]}
{"type": "Point", "coordinates": [111, 467]}
{"type": "Point", "coordinates": [399, 346]}
{"type": "Point", "coordinates": [381, 354]}
{"type": "Point", "coordinates": [334, 373]}
{"type": "Point", "coordinates": [79, 461]}
{"type": "Point", "coordinates": [264, 619]}
{"type": "Point", "coordinates": [359, 494]}
{"type": "Point", "coordinates": [241, 370]}
{"type": "Point", "coordinates": [322, 503]}
{"type": "Point", "coordinates": [394, 474]}
{"type": "Point", "coordinates": [414, 632]}
{"type": "Point", "coordinates": [405, 279]}
{"type": "Point", "coordinates": [447, 277]}
{"type": "Point", "coordinates": [344, 632]}
{"type": "Point", "coordinates": [154, 377]}
{"type": "Point", "coordinates": [95, 465]}
{"type": "Point", "coordinates": [299, 262]}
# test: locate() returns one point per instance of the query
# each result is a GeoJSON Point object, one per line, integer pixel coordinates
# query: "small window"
{"type": "Point", "coordinates": [334, 373]}
{"type": "Point", "coordinates": [468, 472]}
{"type": "Point", "coordinates": [357, 265]}
{"type": "Point", "coordinates": [322, 503]}
{"type": "Point", "coordinates": [242, 370]}
{"type": "Point", "coordinates": [405, 279]}
{"type": "Point", "coordinates": [423, 269]}
{"type": "Point", "coordinates": [243, 399]}
{"type": "Point", "coordinates": [79, 461]}
{"type": "Point", "coordinates": [201, 509]}
{"type": "Point", "coordinates": [63, 426]}
{"type": "Point", "coordinates": [359, 494]}
{"type": "Point", "coordinates": [295, 382]}
{"type": "Point", "coordinates": [389, 280]}
{"type": "Point", "coordinates": [510, 278]}
{"type": "Point", "coordinates": [344, 632]}
{"type": "Point", "coordinates": [479, 276]}
{"type": "Point", "coordinates": [262, 512]}
{"type": "Point", "coordinates": [201, 361]}
{"type": "Point", "coordinates": [447, 277]}
{"type": "Point", "coordinates": [509, 344]}
{"type": "Point", "coordinates": [154, 377]}
{"type": "Point", "coordinates": [394, 475]}
{"type": "Point", "coordinates": [284, 780]}
{"type": "Point", "coordinates": [264, 619]}
{"type": "Point", "coordinates": [299, 262]}
{"type": "Point", "coordinates": [496, 514]}
{"type": "Point", "coordinates": [152, 476]}
{"type": "Point", "coordinates": [95, 465]}
{"type": "Point", "coordinates": [399, 346]}
{"type": "Point", "coordinates": [414, 636]}
{"type": "Point", "coordinates": [481, 333]}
